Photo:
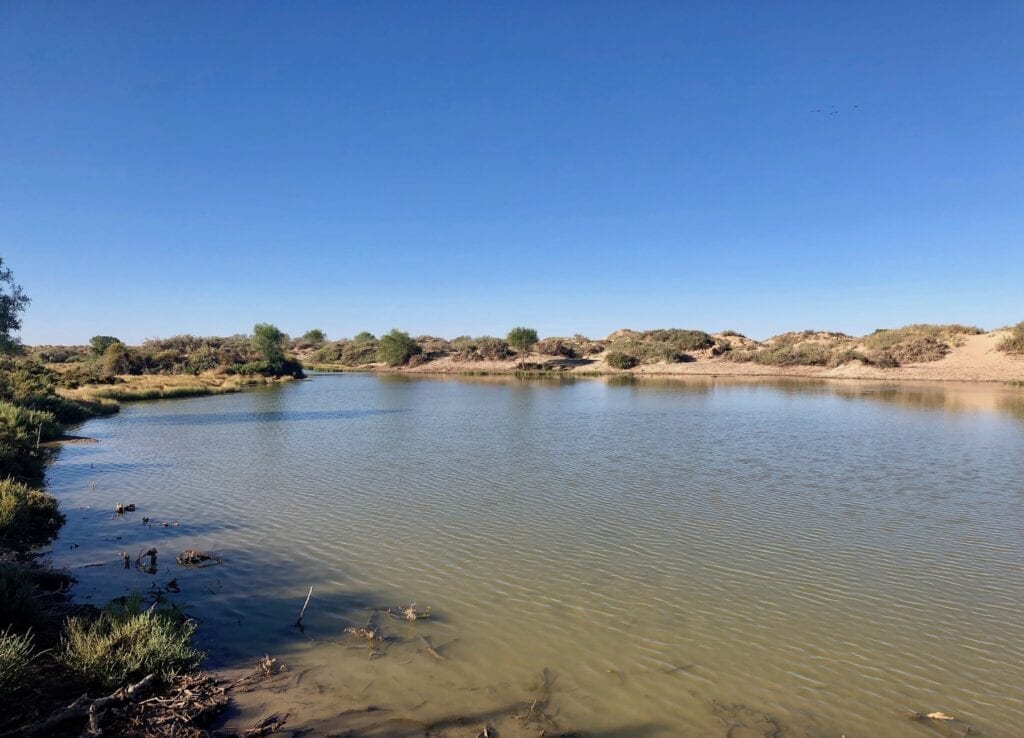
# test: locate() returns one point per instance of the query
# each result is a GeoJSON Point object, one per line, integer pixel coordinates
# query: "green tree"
{"type": "Point", "coordinates": [396, 348]}
{"type": "Point", "coordinates": [364, 337]}
{"type": "Point", "coordinates": [269, 342]}
{"type": "Point", "coordinates": [116, 360]}
{"type": "Point", "coordinates": [314, 337]}
{"type": "Point", "coordinates": [522, 340]}
{"type": "Point", "coordinates": [13, 302]}
{"type": "Point", "coordinates": [99, 344]}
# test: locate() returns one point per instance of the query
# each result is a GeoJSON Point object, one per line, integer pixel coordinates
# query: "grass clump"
{"type": "Point", "coordinates": [1013, 343]}
{"type": "Point", "coordinates": [126, 643]}
{"type": "Point", "coordinates": [27, 516]}
{"type": "Point", "coordinates": [17, 651]}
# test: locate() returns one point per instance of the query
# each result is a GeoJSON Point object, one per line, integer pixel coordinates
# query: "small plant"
{"type": "Point", "coordinates": [27, 515]}
{"type": "Point", "coordinates": [619, 360]}
{"type": "Point", "coordinates": [16, 655]}
{"type": "Point", "coordinates": [124, 644]}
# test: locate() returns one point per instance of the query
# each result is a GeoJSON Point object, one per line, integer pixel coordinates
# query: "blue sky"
{"type": "Point", "coordinates": [462, 167]}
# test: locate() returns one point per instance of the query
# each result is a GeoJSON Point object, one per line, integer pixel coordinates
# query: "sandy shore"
{"type": "Point", "coordinates": [976, 360]}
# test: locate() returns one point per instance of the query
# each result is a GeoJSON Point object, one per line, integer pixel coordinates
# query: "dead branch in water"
{"type": "Point", "coordinates": [191, 557]}
{"type": "Point", "coordinates": [410, 612]}
{"type": "Point", "coordinates": [302, 614]}
{"type": "Point", "coordinates": [431, 650]}
{"type": "Point", "coordinates": [264, 668]}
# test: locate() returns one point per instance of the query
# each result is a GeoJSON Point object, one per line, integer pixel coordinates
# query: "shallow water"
{"type": "Point", "coordinates": [682, 557]}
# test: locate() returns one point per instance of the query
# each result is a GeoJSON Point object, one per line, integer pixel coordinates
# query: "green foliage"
{"type": "Point", "coordinates": [18, 607]}
{"type": "Point", "coordinates": [522, 339]}
{"type": "Point", "coordinates": [732, 333]}
{"type": "Point", "coordinates": [671, 345]}
{"type": "Point", "coordinates": [364, 337]}
{"type": "Point", "coordinates": [116, 360]}
{"type": "Point", "coordinates": [314, 337]}
{"type": "Point", "coordinates": [100, 344]}
{"type": "Point", "coordinates": [125, 644]}
{"type": "Point", "coordinates": [396, 348]}
{"type": "Point", "coordinates": [1013, 343]}
{"type": "Point", "coordinates": [269, 342]}
{"type": "Point", "coordinates": [20, 429]}
{"type": "Point", "coordinates": [484, 348]}
{"type": "Point", "coordinates": [16, 655]}
{"type": "Point", "coordinates": [27, 516]}
{"type": "Point", "coordinates": [619, 360]}
{"type": "Point", "coordinates": [13, 302]}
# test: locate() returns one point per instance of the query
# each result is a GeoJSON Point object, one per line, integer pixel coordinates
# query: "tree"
{"type": "Point", "coordinates": [522, 340]}
{"type": "Point", "coordinates": [13, 302]}
{"type": "Point", "coordinates": [116, 360]}
{"type": "Point", "coordinates": [314, 337]}
{"type": "Point", "coordinates": [364, 337]}
{"type": "Point", "coordinates": [396, 348]}
{"type": "Point", "coordinates": [99, 344]}
{"type": "Point", "coordinates": [269, 342]}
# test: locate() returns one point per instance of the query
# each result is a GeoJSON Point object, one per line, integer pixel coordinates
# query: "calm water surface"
{"type": "Point", "coordinates": [682, 557]}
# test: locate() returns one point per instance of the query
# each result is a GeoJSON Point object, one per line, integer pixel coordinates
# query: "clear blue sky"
{"type": "Point", "coordinates": [462, 167]}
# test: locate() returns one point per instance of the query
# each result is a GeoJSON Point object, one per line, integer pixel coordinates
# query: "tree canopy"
{"type": "Point", "coordinates": [396, 348]}
{"type": "Point", "coordinates": [13, 302]}
{"type": "Point", "coordinates": [522, 339]}
{"type": "Point", "coordinates": [99, 344]}
{"type": "Point", "coordinates": [269, 341]}
{"type": "Point", "coordinates": [314, 336]}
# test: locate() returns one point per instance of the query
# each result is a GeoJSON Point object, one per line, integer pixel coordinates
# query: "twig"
{"type": "Point", "coordinates": [302, 614]}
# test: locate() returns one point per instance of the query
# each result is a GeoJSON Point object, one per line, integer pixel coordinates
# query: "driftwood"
{"type": "Point", "coordinates": [94, 710]}
{"type": "Point", "coordinates": [408, 613]}
{"type": "Point", "coordinates": [266, 726]}
{"type": "Point", "coordinates": [431, 650]}
{"type": "Point", "coordinates": [265, 667]}
{"type": "Point", "coordinates": [931, 716]}
{"type": "Point", "coordinates": [149, 568]}
{"type": "Point", "coordinates": [193, 558]}
{"type": "Point", "coordinates": [302, 613]}
{"type": "Point", "coordinates": [121, 509]}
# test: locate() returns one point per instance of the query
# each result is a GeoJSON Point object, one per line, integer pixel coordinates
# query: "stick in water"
{"type": "Point", "coordinates": [298, 623]}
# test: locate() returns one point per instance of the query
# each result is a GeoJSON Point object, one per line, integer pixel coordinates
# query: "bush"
{"type": "Point", "coordinates": [18, 608]}
{"type": "Point", "coordinates": [125, 644]}
{"type": "Point", "coordinates": [917, 343]}
{"type": "Point", "coordinates": [100, 344]}
{"type": "Point", "coordinates": [668, 345]}
{"type": "Point", "coordinates": [484, 348]}
{"type": "Point", "coordinates": [522, 339]}
{"type": "Point", "coordinates": [619, 360]}
{"type": "Point", "coordinates": [556, 347]}
{"type": "Point", "coordinates": [396, 348]}
{"type": "Point", "coordinates": [16, 655]}
{"type": "Point", "coordinates": [27, 516]}
{"type": "Point", "coordinates": [1013, 343]}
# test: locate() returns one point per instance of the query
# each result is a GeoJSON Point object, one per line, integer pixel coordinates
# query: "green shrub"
{"type": "Point", "coordinates": [18, 607]}
{"type": "Point", "coordinates": [125, 644]}
{"type": "Point", "coordinates": [522, 339]}
{"type": "Point", "coordinates": [484, 348]}
{"type": "Point", "coordinates": [1013, 343]}
{"type": "Point", "coordinates": [732, 333]}
{"type": "Point", "coordinates": [396, 348]}
{"type": "Point", "coordinates": [619, 360]}
{"type": "Point", "coordinates": [100, 344]}
{"type": "Point", "coordinates": [27, 516]}
{"type": "Point", "coordinates": [16, 655]}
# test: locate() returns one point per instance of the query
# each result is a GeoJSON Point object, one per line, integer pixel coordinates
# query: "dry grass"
{"type": "Point", "coordinates": [16, 655]}
{"type": "Point", "coordinates": [917, 343]}
{"type": "Point", "coordinates": [1014, 342]}
{"type": "Point", "coordinates": [130, 388]}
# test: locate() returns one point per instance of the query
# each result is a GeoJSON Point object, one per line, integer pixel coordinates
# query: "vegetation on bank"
{"type": "Point", "coordinates": [126, 643]}
{"type": "Point", "coordinates": [1014, 342]}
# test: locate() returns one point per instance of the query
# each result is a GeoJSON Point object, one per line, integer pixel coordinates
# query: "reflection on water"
{"type": "Point", "coordinates": [657, 557]}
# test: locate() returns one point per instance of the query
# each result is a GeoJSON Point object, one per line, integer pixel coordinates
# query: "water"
{"type": "Point", "coordinates": [674, 558]}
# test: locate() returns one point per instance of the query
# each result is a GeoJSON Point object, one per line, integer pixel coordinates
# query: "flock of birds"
{"type": "Point", "coordinates": [834, 110]}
